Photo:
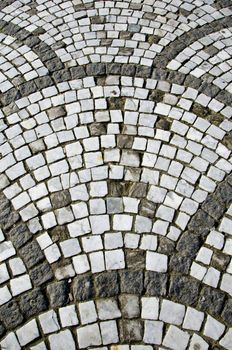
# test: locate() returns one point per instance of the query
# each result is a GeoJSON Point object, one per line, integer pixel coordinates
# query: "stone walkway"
{"type": "Point", "coordinates": [115, 174]}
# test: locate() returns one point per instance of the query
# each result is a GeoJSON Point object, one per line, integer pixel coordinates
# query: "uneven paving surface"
{"type": "Point", "coordinates": [115, 174]}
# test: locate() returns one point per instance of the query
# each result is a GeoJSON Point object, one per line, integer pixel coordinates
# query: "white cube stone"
{"type": "Point", "coordinates": [212, 277]}
{"type": "Point", "coordinates": [226, 283]}
{"type": "Point", "coordinates": [61, 341]}
{"type": "Point", "coordinates": [122, 222]}
{"type": "Point", "coordinates": [193, 319]}
{"type": "Point", "coordinates": [115, 259]}
{"type": "Point", "coordinates": [153, 332]}
{"type": "Point", "coordinates": [148, 242]}
{"type": "Point", "coordinates": [70, 247]}
{"type": "Point", "coordinates": [52, 253]}
{"type": "Point", "coordinates": [79, 228]}
{"type": "Point", "coordinates": [4, 275]}
{"type": "Point", "coordinates": [156, 194]}
{"type": "Point", "coordinates": [226, 341]}
{"type": "Point", "coordinates": [109, 332]}
{"type": "Point", "coordinates": [150, 308]}
{"type": "Point", "coordinates": [176, 315]}
{"type": "Point", "coordinates": [213, 328]}
{"type": "Point", "coordinates": [49, 322]}
{"type": "Point", "coordinates": [20, 284]}
{"type": "Point", "coordinates": [5, 295]}
{"type": "Point", "coordinates": [79, 193]}
{"type": "Point", "coordinates": [98, 189]}
{"type": "Point", "coordinates": [113, 240]}
{"type": "Point", "coordinates": [17, 266]}
{"type": "Point", "coordinates": [81, 263]}
{"type": "Point", "coordinates": [6, 250]}
{"type": "Point", "coordinates": [87, 312]}
{"type": "Point", "coordinates": [99, 223]}
{"type": "Point", "coordinates": [49, 220]}
{"type": "Point", "coordinates": [97, 262]}
{"type": "Point", "coordinates": [197, 341]}
{"type": "Point", "coordinates": [142, 224]}
{"type": "Point", "coordinates": [10, 342]}
{"type": "Point", "coordinates": [176, 339]}
{"type": "Point", "coordinates": [80, 210]}
{"type": "Point", "coordinates": [165, 213]}
{"type": "Point", "coordinates": [27, 333]}
{"type": "Point", "coordinates": [107, 309]}
{"type": "Point", "coordinates": [92, 243]}
{"type": "Point", "coordinates": [93, 159]}
{"type": "Point", "coordinates": [89, 336]}
{"type": "Point", "coordinates": [68, 316]}
{"type": "Point", "coordinates": [156, 262]}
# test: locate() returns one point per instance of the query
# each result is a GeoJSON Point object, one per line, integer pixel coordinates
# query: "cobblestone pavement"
{"type": "Point", "coordinates": [115, 174]}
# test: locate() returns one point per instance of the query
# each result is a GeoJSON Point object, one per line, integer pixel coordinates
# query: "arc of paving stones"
{"type": "Point", "coordinates": [90, 293]}
{"type": "Point", "coordinates": [56, 67]}
{"type": "Point", "coordinates": [207, 213]}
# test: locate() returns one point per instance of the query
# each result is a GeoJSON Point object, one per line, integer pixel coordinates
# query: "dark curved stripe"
{"type": "Point", "coordinates": [176, 285]}
{"type": "Point", "coordinates": [186, 39]}
{"type": "Point", "coordinates": [45, 53]}
{"type": "Point", "coordinates": [104, 69]}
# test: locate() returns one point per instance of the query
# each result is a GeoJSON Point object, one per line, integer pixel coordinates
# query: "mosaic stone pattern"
{"type": "Point", "coordinates": [115, 175]}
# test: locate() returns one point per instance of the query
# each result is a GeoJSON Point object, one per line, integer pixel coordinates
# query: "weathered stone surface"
{"type": "Point", "coordinates": [124, 141]}
{"type": "Point", "coordinates": [188, 244]}
{"type": "Point", "coordinates": [130, 330]}
{"type": "Point", "coordinates": [60, 199]}
{"type": "Point", "coordinates": [138, 190]}
{"type": "Point", "coordinates": [224, 193]}
{"type": "Point", "coordinates": [211, 300]}
{"type": "Point", "coordinates": [10, 96]}
{"type": "Point", "coordinates": [97, 129]}
{"type": "Point", "coordinates": [59, 233]}
{"type": "Point", "coordinates": [43, 82]}
{"type": "Point", "coordinates": [213, 207]}
{"type": "Point", "coordinates": [32, 303]}
{"type": "Point", "coordinates": [227, 312]}
{"type": "Point", "coordinates": [10, 315]}
{"type": "Point", "coordinates": [58, 293]}
{"type": "Point", "coordinates": [135, 259]}
{"type": "Point", "coordinates": [31, 254]}
{"type": "Point", "coordinates": [107, 284]}
{"type": "Point", "coordinates": [184, 289]}
{"type": "Point", "coordinates": [201, 223]}
{"type": "Point", "coordinates": [94, 69]}
{"type": "Point", "coordinates": [27, 88]}
{"type": "Point", "coordinates": [12, 219]}
{"type": "Point", "coordinates": [129, 306]}
{"type": "Point", "coordinates": [131, 282]}
{"type": "Point", "coordinates": [147, 208]}
{"type": "Point", "coordinates": [54, 65]}
{"type": "Point", "coordinates": [179, 263]}
{"type": "Point", "coordinates": [166, 246]}
{"type": "Point", "coordinates": [41, 274]}
{"type": "Point", "coordinates": [19, 235]}
{"type": "Point", "coordinates": [220, 261]}
{"type": "Point", "coordinates": [83, 288]}
{"type": "Point", "coordinates": [155, 283]}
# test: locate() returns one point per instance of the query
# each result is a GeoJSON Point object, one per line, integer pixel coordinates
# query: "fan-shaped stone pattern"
{"type": "Point", "coordinates": [116, 204]}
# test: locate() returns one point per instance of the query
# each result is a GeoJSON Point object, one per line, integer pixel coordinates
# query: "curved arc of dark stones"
{"type": "Point", "coordinates": [58, 72]}
{"type": "Point", "coordinates": [44, 52]}
{"type": "Point", "coordinates": [132, 280]}
{"type": "Point", "coordinates": [188, 38]}
{"type": "Point", "coordinates": [99, 70]}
